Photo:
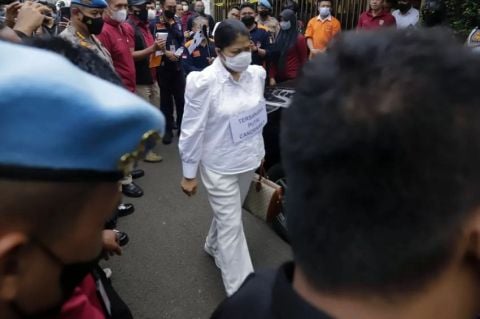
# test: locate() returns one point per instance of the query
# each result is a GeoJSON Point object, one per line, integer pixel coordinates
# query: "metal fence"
{"type": "Point", "coordinates": [347, 11]}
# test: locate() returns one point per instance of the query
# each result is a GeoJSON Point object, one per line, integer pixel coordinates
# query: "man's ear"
{"type": "Point", "coordinates": [10, 244]}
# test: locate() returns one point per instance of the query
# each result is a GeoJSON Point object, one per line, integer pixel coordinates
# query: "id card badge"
{"type": "Point", "coordinates": [179, 52]}
{"type": "Point", "coordinates": [248, 124]}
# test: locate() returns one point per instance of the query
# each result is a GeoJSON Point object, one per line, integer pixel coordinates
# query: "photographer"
{"type": "Point", "coordinates": [171, 77]}
{"type": "Point", "coordinates": [26, 18]}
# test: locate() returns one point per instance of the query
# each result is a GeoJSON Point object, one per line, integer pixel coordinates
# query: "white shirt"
{"type": "Point", "coordinates": [212, 98]}
{"type": "Point", "coordinates": [410, 18]}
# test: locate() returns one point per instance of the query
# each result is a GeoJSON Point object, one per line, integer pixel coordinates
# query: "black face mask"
{"type": "Point", "coordinates": [70, 277]}
{"type": "Point", "coordinates": [404, 7]}
{"type": "Point", "coordinates": [248, 21]}
{"type": "Point", "coordinates": [264, 14]}
{"type": "Point", "coordinates": [142, 15]}
{"type": "Point", "coordinates": [94, 25]}
{"type": "Point", "coordinates": [169, 14]}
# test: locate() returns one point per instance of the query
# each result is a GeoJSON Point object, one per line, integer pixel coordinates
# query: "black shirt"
{"type": "Point", "coordinates": [142, 67]}
{"type": "Point", "coordinates": [174, 41]}
{"type": "Point", "coordinates": [268, 295]}
{"type": "Point", "coordinates": [261, 38]}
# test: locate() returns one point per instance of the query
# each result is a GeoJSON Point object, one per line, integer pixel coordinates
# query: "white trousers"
{"type": "Point", "coordinates": [226, 238]}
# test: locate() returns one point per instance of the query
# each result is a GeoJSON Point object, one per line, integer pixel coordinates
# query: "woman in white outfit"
{"type": "Point", "coordinates": [222, 138]}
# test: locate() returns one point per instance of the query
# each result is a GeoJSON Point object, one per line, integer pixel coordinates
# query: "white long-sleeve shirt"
{"type": "Point", "coordinates": [213, 99]}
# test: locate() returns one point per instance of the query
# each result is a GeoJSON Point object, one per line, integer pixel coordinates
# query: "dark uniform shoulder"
{"type": "Point", "coordinates": [253, 299]}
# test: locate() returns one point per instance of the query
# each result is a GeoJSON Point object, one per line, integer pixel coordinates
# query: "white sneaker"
{"type": "Point", "coordinates": [108, 272]}
{"type": "Point", "coordinates": [212, 252]}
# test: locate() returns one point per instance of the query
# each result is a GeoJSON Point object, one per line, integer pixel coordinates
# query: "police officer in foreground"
{"type": "Point", "coordinates": [62, 153]}
{"type": "Point", "coordinates": [383, 193]}
{"type": "Point", "coordinates": [87, 21]}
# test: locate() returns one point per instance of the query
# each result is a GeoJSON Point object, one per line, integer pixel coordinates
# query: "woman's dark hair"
{"type": "Point", "coordinates": [286, 39]}
{"type": "Point", "coordinates": [228, 31]}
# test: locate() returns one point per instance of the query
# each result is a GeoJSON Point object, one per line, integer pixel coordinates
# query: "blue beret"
{"type": "Point", "coordinates": [99, 4]}
{"type": "Point", "coordinates": [265, 3]}
{"type": "Point", "coordinates": [58, 122]}
{"type": "Point", "coordinates": [137, 2]}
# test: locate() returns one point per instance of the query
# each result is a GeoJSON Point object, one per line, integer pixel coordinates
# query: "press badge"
{"type": "Point", "coordinates": [248, 124]}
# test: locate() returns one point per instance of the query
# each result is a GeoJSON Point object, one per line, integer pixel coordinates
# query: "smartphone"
{"type": "Point", "coordinates": [64, 13]}
{"type": "Point", "coordinates": [161, 35]}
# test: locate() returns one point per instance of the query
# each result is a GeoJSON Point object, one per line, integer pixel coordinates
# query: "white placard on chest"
{"type": "Point", "coordinates": [249, 123]}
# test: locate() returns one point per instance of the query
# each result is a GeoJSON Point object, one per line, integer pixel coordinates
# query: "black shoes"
{"type": "Point", "coordinates": [137, 173]}
{"type": "Point", "coordinates": [125, 209]}
{"type": "Point", "coordinates": [167, 138]}
{"type": "Point", "coordinates": [122, 237]}
{"type": "Point", "coordinates": [132, 190]}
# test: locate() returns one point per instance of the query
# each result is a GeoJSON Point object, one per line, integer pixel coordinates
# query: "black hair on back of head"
{"type": "Point", "coordinates": [381, 147]}
{"type": "Point", "coordinates": [247, 5]}
{"type": "Point", "coordinates": [228, 31]}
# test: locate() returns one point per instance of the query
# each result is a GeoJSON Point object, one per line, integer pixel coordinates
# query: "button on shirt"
{"type": "Point", "coordinates": [212, 98]}
{"type": "Point", "coordinates": [409, 19]}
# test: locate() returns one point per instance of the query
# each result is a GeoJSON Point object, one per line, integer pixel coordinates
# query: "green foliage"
{"type": "Point", "coordinates": [463, 15]}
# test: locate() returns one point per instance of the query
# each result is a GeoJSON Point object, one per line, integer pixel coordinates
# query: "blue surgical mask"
{"type": "Point", "coordinates": [324, 12]}
{"type": "Point", "coordinates": [285, 25]}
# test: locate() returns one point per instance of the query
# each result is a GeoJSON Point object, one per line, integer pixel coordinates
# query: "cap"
{"type": "Point", "coordinates": [137, 2]}
{"type": "Point", "coordinates": [98, 4]}
{"type": "Point", "coordinates": [265, 3]}
{"type": "Point", "coordinates": [60, 123]}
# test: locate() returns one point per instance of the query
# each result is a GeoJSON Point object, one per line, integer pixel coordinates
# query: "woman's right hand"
{"type": "Point", "coordinates": [189, 186]}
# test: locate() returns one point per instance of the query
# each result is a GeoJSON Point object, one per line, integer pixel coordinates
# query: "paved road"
{"type": "Point", "coordinates": [164, 272]}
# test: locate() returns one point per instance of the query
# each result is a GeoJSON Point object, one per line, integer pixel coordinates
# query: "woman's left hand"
{"type": "Point", "coordinates": [189, 186]}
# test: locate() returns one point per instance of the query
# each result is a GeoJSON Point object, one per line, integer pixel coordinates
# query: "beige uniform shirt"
{"type": "Point", "coordinates": [91, 42]}
{"type": "Point", "coordinates": [271, 24]}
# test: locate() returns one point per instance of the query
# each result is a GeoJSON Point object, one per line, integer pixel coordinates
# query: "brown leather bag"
{"type": "Point", "coordinates": [264, 198]}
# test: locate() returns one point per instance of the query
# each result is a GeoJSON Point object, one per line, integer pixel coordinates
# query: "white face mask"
{"type": "Point", "coordinates": [120, 15]}
{"type": "Point", "coordinates": [239, 62]}
{"type": "Point", "coordinates": [185, 8]}
{"type": "Point", "coordinates": [151, 14]}
{"type": "Point", "coordinates": [285, 25]}
{"type": "Point", "coordinates": [324, 12]}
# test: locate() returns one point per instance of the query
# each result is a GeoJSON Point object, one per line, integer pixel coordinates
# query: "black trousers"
{"type": "Point", "coordinates": [172, 88]}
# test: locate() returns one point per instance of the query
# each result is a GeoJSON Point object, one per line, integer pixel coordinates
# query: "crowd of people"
{"type": "Point", "coordinates": [379, 147]}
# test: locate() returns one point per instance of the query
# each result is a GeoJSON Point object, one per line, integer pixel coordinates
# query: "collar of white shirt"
{"type": "Point", "coordinates": [329, 18]}
{"type": "Point", "coordinates": [223, 74]}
